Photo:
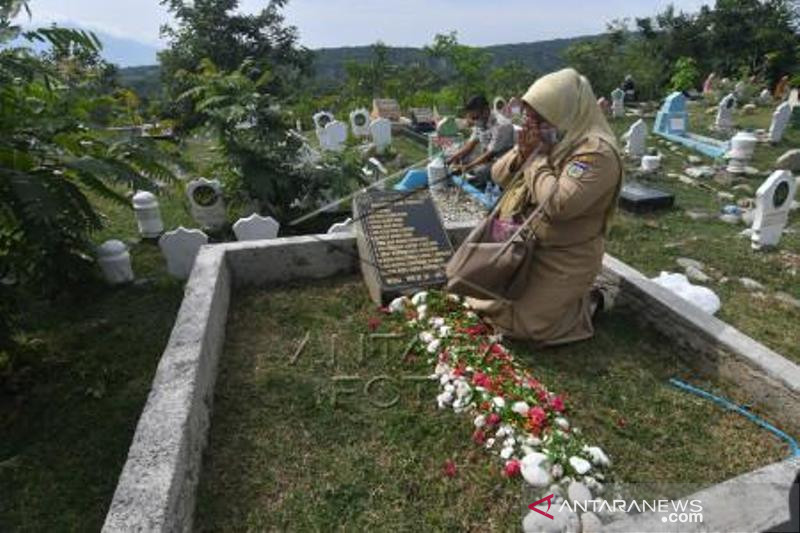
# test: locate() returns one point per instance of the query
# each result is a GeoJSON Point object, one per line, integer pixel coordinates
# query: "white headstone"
{"type": "Point", "coordinates": [333, 136]}
{"type": "Point", "coordinates": [381, 130]}
{"type": "Point", "coordinates": [180, 248]}
{"type": "Point", "coordinates": [206, 203]}
{"type": "Point", "coordinates": [256, 228]}
{"type": "Point", "coordinates": [765, 97]}
{"type": "Point", "coordinates": [725, 113]}
{"type": "Point", "coordinates": [773, 201]}
{"type": "Point", "coordinates": [637, 139]}
{"type": "Point", "coordinates": [359, 122]}
{"type": "Point", "coordinates": [115, 262]}
{"type": "Point", "coordinates": [342, 227]}
{"type": "Point", "coordinates": [322, 119]}
{"type": "Point", "coordinates": [780, 120]}
{"type": "Point", "coordinates": [618, 103]}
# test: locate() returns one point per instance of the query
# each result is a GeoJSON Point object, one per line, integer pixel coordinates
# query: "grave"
{"type": "Point", "coordinates": [794, 98]}
{"type": "Point", "coordinates": [333, 137]}
{"type": "Point", "coordinates": [638, 198]}
{"type": "Point", "coordinates": [180, 248]}
{"type": "Point", "coordinates": [359, 122]}
{"type": "Point", "coordinates": [321, 119]}
{"type": "Point", "coordinates": [672, 123]}
{"type": "Point", "coordinates": [386, 108]}
{"type": "Point", "coordinates": [780, 120]}
{"type": "Point", "coordinates": [422, 119]}
{"type": "Point", "coordinates": [724, 120]}
{"type": "Point", "coordinates": [773, 202]}
{"type": "Point", "coordinates": [255, 228]}
{"type": "Point", "coordinates": [636, 138]}
{"type": "Point", "coordinates": [158, 484]}
{"type": "Point", "coordinates": [765, 98]}
{"type": "Point", "coordinates": [402, 244]}
{"type": "Point", "coordinates": [206, 203]}
{"type": "Point", "coordinates": [381, 131]}
{"type": "Point", "coordinates": [617, 103]}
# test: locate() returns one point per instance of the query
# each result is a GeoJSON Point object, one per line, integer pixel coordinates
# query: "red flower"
{"type": "Point", "coordinates": [474, 331]}
{"type": "Point", "coordinates": [512, 468]}
{"type": "Point", "coordinates": [485, 406]}
{"type": "Point", "coordinates": [373, 323]}
{"type": "Point", "coordinates": [542, 395]}
{"type": "Point", "coordinates": [449, 469]}
{"type": "Point", "coordinates": [479, 437]}
{"type": "Point", "coordinates": [493, 419]}
{"type": "Point", "coordinates": [621, 423]}
{"type": "Point", "coordinates": [557, 403]}
{"type": "Point", "coordinates": [481, 380]}
{"type": "Point", "coordinates": [537, 416]}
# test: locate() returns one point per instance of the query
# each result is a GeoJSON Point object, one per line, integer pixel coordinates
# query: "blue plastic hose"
{"type": "Point", "coordinates": [795, 448]}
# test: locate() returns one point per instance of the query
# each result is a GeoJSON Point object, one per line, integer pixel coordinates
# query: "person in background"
{"type": "Point", "coordinates": [491, 138]}
{"type": "Point", "coordinates": [630, 88]}
{"type": "Point", "coordinates": [566, 144]}
{"type": "Point", "coordinates": [782, 89]}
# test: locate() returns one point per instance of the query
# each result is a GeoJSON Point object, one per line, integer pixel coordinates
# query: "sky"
{"type": "Point", "coordinates": [331, 23]}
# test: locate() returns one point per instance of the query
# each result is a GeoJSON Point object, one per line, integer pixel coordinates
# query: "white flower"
{"type": "Point", "coordinates": [563, 423]}
{"type": "Point", "coordinates": [509, 442]}
{"type": "Point", "coordinates": [581, 466]}
{"type": "Point", "coordinates": [419, 298]}
{"type": "Point", "coordinates": [501, 432]}
{"type": "Point", "coordinates": [426, 337]}
{"type": "Point", "coordinates": [499, 402]}
{"type": "Point", "coordinates": [536, 475]}
{"type": "Point", "coordinates": [397, 305]}
{"type": "Point", "coordinates": [445, 331]}
{"type": "Point", "coordinates": [506, 452]}
{"type": "Point", "coordinates": [442, 369]}
{"type": "Point", "coordinates": [521, 408]}
{"type": "Point", "coordinates": [421, 311]}
{"type": "Point", "coordinates": [434, 345]}
{"type": "Point", "coordinates": [480, 421]}
{"type": "Point", "coordinates": [445, 379]}
{"type": "Point", "coordinates": [527, 450]}
{"type": "Point", "coordinates": [557, 471]}
{"type": "Point", "coordinates": [449, 388]}
{"type": "Point", "coordinates": [463, 389]}
{"type": "Point", "coordinates": [471, 315]}
{"type": "Point", "coordinates": [489, 443]}
{"type": "Point", "coordinates": [496, 339]}
{"type": "Point", "coordinates": [444, 399]}
{"type": "Point", "coordinates": [533, 441]}
{"type": "Point", "coordinates": [437, 322]}
{"type": "Point", "coordinates": [454, 297]}
{"type": "Point", "coordinates": [598, 456]}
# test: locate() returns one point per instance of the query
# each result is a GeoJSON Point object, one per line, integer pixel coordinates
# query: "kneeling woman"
{"type": "Point", "coordinates": [576, 152]}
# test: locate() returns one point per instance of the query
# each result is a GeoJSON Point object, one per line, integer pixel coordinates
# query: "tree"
{"type": "Point", "coordinates": [214, 30]}
{"type": "Point", "coordinates": [469, 65]}
{"type": "Point", "coordinates": [52, 162]}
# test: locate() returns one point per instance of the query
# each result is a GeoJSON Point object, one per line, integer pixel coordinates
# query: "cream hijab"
{"type": "Point", "coordinates": [566, 100]}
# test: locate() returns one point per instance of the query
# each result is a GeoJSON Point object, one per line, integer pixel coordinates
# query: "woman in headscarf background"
{"type": "Point", "coordinates": [566, 143]}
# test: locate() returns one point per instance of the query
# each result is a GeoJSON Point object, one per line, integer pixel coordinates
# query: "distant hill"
{"type": "Point", "coordinates": [542, 56]}
{"type": "Point", "coordinates": [329, 63]}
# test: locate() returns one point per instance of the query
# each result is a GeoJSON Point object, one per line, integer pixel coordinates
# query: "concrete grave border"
{"type": "Point", "coordinates": [156, 490]}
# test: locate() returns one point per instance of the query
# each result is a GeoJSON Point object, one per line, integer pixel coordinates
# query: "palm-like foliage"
{"type": "Point", "coordinates": [52, 161]}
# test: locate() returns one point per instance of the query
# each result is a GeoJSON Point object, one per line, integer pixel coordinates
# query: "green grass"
{"type": "Point", "coordinates": [652, 243]}
{"type": "Point", "coordinates": [69, 411]}
{"type": "Point", "coordinates": [283, 455]}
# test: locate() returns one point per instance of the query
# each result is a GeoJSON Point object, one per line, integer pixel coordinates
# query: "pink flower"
{"type": "Point", "coordinates": [537, 416]}
{"type": "Point", "coordinates": [557, 403]}
{"type": "Point", "coordinates": [449, 469]}
{"type": "Point", "coordinates": [512, 468]}
{"type": "Point", "coordinates": [493, 419]}
{"type": "Point", "coordinates": [479, 437]}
